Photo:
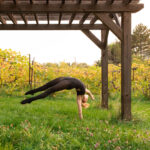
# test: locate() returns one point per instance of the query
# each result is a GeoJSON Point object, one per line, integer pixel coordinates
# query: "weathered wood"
{"type": "Point", "coordinates": [48, 18]}
{"type": "Point", "coordinates": [109, 2]}
{"type": "Point", "coordinates": [47, 1]}
{"type": "Point", "coordinates": [110, 24]}
{"type": "Point", "coordinates": [12, 18]}
{"type": "Point", "coordinates": [63, 2]}
{"type": "Point", "coordinates": [93, 2]}
{"type": "Point", "coordinates": [116, 19]}
{"type": "Point", "coordinates": [72, 18]}
{"type": "Point", "coordinates": [83, 18]}
{"type": "Point", "coordinates": [78, 1]}
{"type": "Point", "coordinates": [69, 8]}
{"type": "Point", "coordinates": [36, 19]}
{"type": "Point", "coordinates": [104, 63]}
{"type": "Point", "coordinates": [31, 1]}
{"type": "Point", "coordinates": [52, 27]}
{"type": "Point", "coordinates": [93, 20]}
{"type": "Point", "coordinates": [93, 38]}
{"type": "Point", "coordinates": [126, 67]}
{"type": "Point", "coordinates": [15, 1]}
{"type": "Point", "coordinates": [2, 20]}
{"type": "Point", "coordinates": [126, 2]}
{"type": "Point", "coordinates": [24, 18]}
{"type": "Point", "coordinates": [60, 16]}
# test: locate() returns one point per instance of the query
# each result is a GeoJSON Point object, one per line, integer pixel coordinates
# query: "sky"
{"type": "Point", "coordinates": [67, 46]}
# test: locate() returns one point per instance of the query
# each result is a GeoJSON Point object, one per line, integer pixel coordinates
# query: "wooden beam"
{"type": "Point", "coordinates": [110, 24]}
{"type": "Point", "coordinates": [52, 27]}
{"type": "Point", "coordinates": [24, 18]}
{"type": "Point", "coordinates": [93, 38]}
{"type": "Point", "coordinates": [83, 18]}
{"type": "Point", "coordinates": [15, 1]}
{"type": "Point", "coordinates": [72, 18]}
{"type": "Point", "coordinates": [78, 1]}
{"type": "Point", "coordinates": [1, 1]}
{"type": "Point", "coordinates": [36, 18]}
{"type": "Point", "coordinates": [2, 20]}
{"type": "Point", "coordinates": [94, 2]}
{"type": "Point", "coordinates": [48, 18]}
{"type": "Point", "coordinates": [126, 67]}
{"type": "Point", "coordinates": [12, 18]}
{"type": "Point", "coordinates": [70, 8]}
{"type": "Point", "coordinates": [62, 2]}
{"type": "Point", "coordinates": [47, 1]}
{"type": "Point", "coordinates": [93, 20]}
{"type": "Point", "coordinates": [31, 1]}
{"type": "Point", "coordinates": [126, 2]}
{"type": "Point", "coordinates": [115, 17]}
{"type": "Point", "coordinates": [104, 63]}
{"type": "Point", "coordinates": [109, 2]}
{"type": "Point", "coordinates": [60, 16]}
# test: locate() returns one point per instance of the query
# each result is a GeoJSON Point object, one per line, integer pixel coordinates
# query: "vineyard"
{"type": "Point", "coordinates": [16, 75]}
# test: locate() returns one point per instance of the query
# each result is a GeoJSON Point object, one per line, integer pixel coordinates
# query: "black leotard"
{"type": "Point", "coordinates": [55, 85]}
{"type": "Point", "coordinates": [74, 83]}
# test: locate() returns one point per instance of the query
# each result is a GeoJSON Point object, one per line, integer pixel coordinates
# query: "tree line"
{"type": "Point", "coordinates": [140, 46]}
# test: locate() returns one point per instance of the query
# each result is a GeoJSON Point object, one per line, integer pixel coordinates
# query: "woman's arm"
{"type": "Point", "coordinates": [89, 93]}
{"type": "Point", "coordinates": [79, 103]}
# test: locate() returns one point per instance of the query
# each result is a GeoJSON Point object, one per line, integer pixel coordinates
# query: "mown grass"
{"type": "Point", "coordinates": [53, 124]}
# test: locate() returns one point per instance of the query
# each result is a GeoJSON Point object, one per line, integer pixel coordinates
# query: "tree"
{"type": "Point", "coordinates": [141, 41]}
{"type": "Point", "coordinates": [114, 53]}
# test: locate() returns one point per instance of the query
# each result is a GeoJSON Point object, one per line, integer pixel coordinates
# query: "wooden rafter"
{"type": "Point", "coordinates": [47, 1]}
{"type": "Point", "coordinates": [69, 8]}
{"type": "Point", "coordinates": [63, 2]}
{"type": "Point", "coordinates": [78, 1]}
{"type": "Point", "coordinates": [15, 1]}
{"type": "Point", "coordinates": [48, 18]}
{"type": "Point", "coordinates": [83, 18]}
{"type": "Point", "coordinates": [24, 18]}
{"type": "Point", "coordinates": [51, 27]}
{"type": "Point", "coordinates": [93, 38]}
{"type": "Point", "coordinates": [36, 18]}
{"type": "Point", "coordinates": [109, 2]}
{"type": "Point", "coordinates": [12, 18]}
{"type": "Point", "coordinates": [2, 20]}
{"type": "Point", "coordinates": [126, 2]}
{"type": "Point", "coordinates": [110, 24]}
{"type": "Point", "coordinates": [60, 16]}
{"type": "Point", "coordinates": [72, 18]}
{"type": "Point", "coordinates": [93, 20]}
{"type": "Point", "coordinates": [94, 2]}
{"type": "Point", "coordinates": [31, 1]}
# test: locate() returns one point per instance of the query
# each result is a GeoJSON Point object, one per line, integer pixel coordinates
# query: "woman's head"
{"type": "Point", "coordinates": [85, 98]}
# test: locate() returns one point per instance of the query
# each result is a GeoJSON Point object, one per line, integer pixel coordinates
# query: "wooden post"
{"type": "Point", "coordinates": [126, 67]}
{"type": "Point", "coordinates": [30, 71]}
{"type": "Point", "coordinates": [104, 64]}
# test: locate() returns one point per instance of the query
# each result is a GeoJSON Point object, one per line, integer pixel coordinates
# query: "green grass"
{"type": "Point", "coordinates": [53, 124]}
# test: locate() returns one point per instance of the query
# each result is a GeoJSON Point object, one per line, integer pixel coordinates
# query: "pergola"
{"type": "Point", "coordinates": [81, 15]}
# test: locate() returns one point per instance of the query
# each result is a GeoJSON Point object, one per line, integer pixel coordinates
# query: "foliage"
{"type": "Point", "coordinates": [14, 74]}
{"type": "Point", "coordinates": [141, 41]}
{"type": "Point", "coordinates": [114, 53]}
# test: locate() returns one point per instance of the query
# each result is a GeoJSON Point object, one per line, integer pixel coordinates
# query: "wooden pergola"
{"type": "Point", "coordinates": [114, 16]}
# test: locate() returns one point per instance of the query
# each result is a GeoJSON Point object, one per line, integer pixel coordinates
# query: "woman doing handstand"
{"type": "Point", "coordinates": [60, 84]}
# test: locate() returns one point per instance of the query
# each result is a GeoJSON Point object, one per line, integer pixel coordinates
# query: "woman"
{"type": "Point", "coordinates": [59, 84]}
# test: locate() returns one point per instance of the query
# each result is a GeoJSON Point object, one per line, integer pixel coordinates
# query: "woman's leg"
{"type": "Point", "coordinates": [58, 87]}
{"type": "Point", "coordinates": [45, 86]}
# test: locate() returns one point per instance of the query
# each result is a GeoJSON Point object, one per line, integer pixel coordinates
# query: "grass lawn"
{"type": "Point", "coordinates": [53, 124]}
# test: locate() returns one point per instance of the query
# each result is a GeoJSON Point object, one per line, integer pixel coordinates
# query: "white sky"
{"type": "Point", "coordinates": [68, 46]}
